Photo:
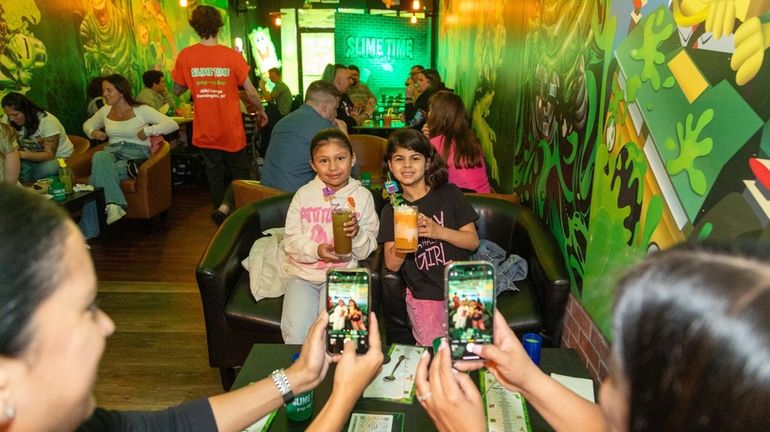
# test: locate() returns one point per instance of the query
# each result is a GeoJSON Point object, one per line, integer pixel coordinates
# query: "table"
{"type": "Point", "coordinates": [187, 124]}
{"type": "Point", "coordinates": [264, 358]}
{"type": "Point", "coordinates": [378, 129]}
{"type": "Point", "coordinates": [76, 200]}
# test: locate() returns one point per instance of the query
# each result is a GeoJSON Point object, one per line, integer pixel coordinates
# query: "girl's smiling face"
{"type": "Point", "coordinates": [408, 166]}
{"type": "Point", "coordinates": [333, 162]}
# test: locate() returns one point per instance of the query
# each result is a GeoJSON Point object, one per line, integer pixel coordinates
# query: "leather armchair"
{"type": "Point", "coordinates": [369, 151]}
{"type": "Point", "coordinates": [234, 320]}
{"type": "Point", "coordinates": [540, 304]}
{"type": "Point", "coordinates": [149, 194]}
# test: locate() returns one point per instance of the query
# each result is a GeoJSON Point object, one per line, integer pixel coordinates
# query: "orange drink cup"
{"type": "Point", "coordinates": [343, 245]}
{"type": "Point", "coordinates": [405, 228]}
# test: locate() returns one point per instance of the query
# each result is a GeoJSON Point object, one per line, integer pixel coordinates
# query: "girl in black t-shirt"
{"type": "Point", "coordinates": [444, 226]}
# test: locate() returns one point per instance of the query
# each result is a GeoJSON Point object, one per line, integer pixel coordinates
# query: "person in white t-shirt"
{"type": "Point", "coordinates": [42, 138]}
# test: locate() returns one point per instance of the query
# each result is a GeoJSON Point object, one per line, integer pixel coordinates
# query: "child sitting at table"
{"type": "Point", "coordinates": [450, 133]}
{"type": "Point", "coordinates": [444, 226]}
{"type": "Point", "coordinates": [309, 238]}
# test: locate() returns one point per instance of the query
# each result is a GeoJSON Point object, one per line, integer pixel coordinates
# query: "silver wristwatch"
{"type": "Point", "coordinates": [282, 384]}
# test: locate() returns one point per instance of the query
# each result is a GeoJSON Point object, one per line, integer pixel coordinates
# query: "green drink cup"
{"type": "Point", "coordinates": [343, 245]}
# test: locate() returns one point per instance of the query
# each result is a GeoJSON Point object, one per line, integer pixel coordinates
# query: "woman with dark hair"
{"type": "Point", "coordinates": [449, 131]}
{"type": "Point", "coordinates": [52, 336]}
{"type": "Point", "coordinates": [691, 353]}
{"type": "Point", "coordinates": [445, 229]}
{"type": "Point", "coordinates": [128, 125]}
{"type": "Point", "coordinates": [42, 138]}
{"type": "Point", "coordinates": [428, 82]}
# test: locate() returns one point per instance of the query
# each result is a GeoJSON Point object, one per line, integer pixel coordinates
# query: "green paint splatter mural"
{"type": "Point", "coordinates": [624, 124]}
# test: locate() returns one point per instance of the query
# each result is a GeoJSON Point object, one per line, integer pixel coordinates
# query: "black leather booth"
{"type": "Point", "coordinates": [539, 304]}
{"type": "Point", "coordinates": [234, 321]}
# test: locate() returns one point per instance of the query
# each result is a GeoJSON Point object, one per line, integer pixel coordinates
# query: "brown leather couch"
{"type": "Point", "coordinates": [149, 194]}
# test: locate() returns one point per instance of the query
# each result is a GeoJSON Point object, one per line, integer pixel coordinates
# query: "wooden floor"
{"type": "Point", "coordinates": [157, 356]}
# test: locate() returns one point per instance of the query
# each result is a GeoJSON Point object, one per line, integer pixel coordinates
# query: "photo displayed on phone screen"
{"type": "Point", "coordinates": [470, 306]}
{"type": "Point", "coordinates": [347, 304]}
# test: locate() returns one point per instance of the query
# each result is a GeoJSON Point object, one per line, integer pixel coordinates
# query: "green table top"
{"type": "Point", "coordinates": [264, 358]}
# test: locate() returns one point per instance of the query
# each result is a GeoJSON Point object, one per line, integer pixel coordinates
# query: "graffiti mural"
{"type": "Point", "coordinates": [633, 125]}
{"type": "Point", "coordinates": [21, 52]}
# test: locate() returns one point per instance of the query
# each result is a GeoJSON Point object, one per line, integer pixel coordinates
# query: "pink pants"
{"type": "Point", "coordinates": [428, 318]}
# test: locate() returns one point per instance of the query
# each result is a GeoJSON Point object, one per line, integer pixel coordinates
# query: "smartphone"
{"type": "Point", "coordinates": [347, 303]}
{"type": "Point", "coordinates": [470, 294]}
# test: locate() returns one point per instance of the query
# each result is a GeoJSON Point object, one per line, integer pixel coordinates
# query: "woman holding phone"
{"type": "Point", "coordinates": [52, 336]}
{"type": "Point", "coordinates": [691, 353]}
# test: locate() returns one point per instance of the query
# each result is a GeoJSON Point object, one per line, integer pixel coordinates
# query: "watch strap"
{"type": "Point", "coordinates": [281, 382]}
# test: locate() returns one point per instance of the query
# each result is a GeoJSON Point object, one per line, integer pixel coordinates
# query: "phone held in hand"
{"type": "Point", "coordinates": [470, 298]}
{"type": "Point", "coordinates": [347, 303]}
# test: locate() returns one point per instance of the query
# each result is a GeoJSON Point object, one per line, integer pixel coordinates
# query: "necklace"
{"type": "Point", "coordinates": [122, 114]}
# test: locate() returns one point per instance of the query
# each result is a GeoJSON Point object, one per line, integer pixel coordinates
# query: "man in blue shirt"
{"type": "Point", "coordinates": [287, 162]}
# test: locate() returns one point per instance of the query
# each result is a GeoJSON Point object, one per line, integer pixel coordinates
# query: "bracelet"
{"type": "Point", "coordinates": [282, 384]}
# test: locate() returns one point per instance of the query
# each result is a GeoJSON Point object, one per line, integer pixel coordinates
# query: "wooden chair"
{"type": "Point", "coordinates": [370, 151]}
{"type": "Point", "coordinates": [149, 194]}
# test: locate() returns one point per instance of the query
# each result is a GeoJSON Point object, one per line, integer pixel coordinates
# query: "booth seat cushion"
{"type": "Point", "coordinates": [241, 310]}
{"type": "Point", "coordinates": [520, 308]}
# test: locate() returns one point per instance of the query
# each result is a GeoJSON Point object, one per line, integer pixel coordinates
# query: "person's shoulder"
{"type": "Point", "coordinates": [449, 191]}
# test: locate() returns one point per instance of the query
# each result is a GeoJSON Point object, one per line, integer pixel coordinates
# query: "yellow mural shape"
{"type": "Point", "coordinates": [688, 76]}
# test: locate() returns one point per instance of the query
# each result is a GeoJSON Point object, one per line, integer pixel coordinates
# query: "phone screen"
{"type": "Point", "coordinates": [347, 303]}
{"type": "Point", "coordinates": [470, 306]}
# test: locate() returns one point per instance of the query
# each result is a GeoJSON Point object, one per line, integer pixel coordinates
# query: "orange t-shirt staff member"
{"type": "Point", "coordinates": [212, 73]}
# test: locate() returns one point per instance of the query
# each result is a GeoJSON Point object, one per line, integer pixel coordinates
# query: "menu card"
{"type": "Point", "coordinates": [376, 422]}
{"type": "Point", "coordinates": [395, 382]}
{"type": "Point", "coordinates": [506, 410]}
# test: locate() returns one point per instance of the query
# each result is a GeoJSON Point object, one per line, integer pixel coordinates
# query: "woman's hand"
{"type": "Point", "coordinates": [141, 135]}
{"type": "Point", "coordinates": [326, 253]}
{"type": "Point", "coordinates": [506, 359]}
{"type": "Point", "coordinates": [427, 227]}
{"type": "Point", "coordinates": [355, 372]}
{"type": "Point", "coordinates": [313, 362]}
{"type": "Point", "coordinates": [99, 135]}
{"type": "Point", "coordinates": [351, 226]}
{"type": "Point", "coordinates": [426, 130]}
{"type": "Point", "coordinates": [450, 397]}
{"type": "Point", "coordinates": [352, 376]}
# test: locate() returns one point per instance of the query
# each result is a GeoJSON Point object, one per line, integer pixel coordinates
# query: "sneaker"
{"type": "Point", "coordinates": [114, 213]}
{"type": "Point", "coordinates": [218, 216]}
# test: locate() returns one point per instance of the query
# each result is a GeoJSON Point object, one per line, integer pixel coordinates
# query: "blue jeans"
{"type": "Point", "coordinates": [302, 303]}
{"type": "Point", "coordinates": [108, 168]}
{"type": "Point", "coordinates": [31, 171]}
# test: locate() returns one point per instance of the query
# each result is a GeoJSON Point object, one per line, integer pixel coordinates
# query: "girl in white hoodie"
{"type": "Point", "coordinates": [309, 241]}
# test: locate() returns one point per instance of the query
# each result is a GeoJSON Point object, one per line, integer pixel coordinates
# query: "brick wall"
{"type": "Point", "coordinates": [581, 334]}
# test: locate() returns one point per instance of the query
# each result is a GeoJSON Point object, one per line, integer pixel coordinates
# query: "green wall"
{"type": "Point", "coordinates": [625, 129]}
{"type": "Point", "coordinates": [384, 48]}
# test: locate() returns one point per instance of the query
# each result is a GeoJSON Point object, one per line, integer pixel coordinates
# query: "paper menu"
{"type": "Point", "coordinates": [506, 410]}
{"type": "Point", "coordinates": [395, 382]}
{"type": "Point", "coordinates": [370, 422]}
{"type": "Point", "coordinates": [581, 386]}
